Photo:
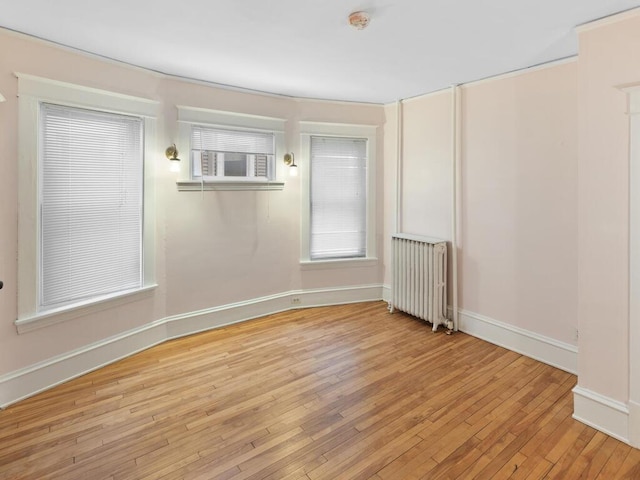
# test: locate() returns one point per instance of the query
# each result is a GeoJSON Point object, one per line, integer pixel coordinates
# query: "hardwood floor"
{"type": "Point", "coordinates": [326, 393]}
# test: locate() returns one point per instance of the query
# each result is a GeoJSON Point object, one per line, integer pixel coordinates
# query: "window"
{"type": "Point", "coordinates": [337, 168]}
{"type": "Point", "coordinates": [91, 181]}
{"type": "Point", "coordinates": [338, 197]}
{"type": "Point", "coordinates": [230, 151]}
{"type": "Point", "coordinates": [219, 154]}
{"type": "Point", "coordinates": [86, 221]}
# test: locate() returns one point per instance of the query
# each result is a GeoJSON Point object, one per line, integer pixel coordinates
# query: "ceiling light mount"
{"type": "Point", "coordinates": [359, 20]}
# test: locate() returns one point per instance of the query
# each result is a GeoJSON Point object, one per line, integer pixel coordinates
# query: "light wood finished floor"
{"type": "Point", "coordinates": [344, 392]}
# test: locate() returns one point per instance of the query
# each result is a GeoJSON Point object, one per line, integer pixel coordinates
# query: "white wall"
{"type": "Point", "coordinates": [213, 249]}
{"type": "Point", "coordinates": [24, 55]}
{"type": "Point", "coordinates": [427, 165]}
{"type": "Point", "coordinates": [609, 57]}
{"type": "Point", "coordinates": [518, 211]}
{"type": "Point", "coordinates": [609, 60]}
{"type": "Point", "coordinates": [519, 234]}
{"type": "Point", "coordinates": [544, 208]}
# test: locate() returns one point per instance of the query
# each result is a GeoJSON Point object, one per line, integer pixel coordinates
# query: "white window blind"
{"type": "Point", "coordinates": [220, 153]}
{"type": "Point", "coordinates": [338, 197]}
{"type": "Point", "coordinates": [90, 204]}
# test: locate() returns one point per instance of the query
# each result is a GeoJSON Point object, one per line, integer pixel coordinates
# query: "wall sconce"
{"type": "Point", "coordinates": [290, 160]}
{"type": "Point", "coordinates": [172, 154]}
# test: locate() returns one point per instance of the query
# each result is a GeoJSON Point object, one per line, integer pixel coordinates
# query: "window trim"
{"type": "Point", "coordinates": [633, 99]}
{"type": "Point", "coordinates": [368, 132]}
{"type": "Point", "coordinates": [33, 91]}
{"type": "Point", "coordinates": [190, 116]}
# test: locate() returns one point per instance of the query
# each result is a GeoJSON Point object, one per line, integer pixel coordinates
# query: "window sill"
{"type": "Point", "coordinates": [338, 263]}
{"type": "Point", "coordinates": [68, 312]}
{"type": "Point", "coordinates": [195, 186]}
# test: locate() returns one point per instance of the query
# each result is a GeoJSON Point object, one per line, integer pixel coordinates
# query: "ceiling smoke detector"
{"type": "Point", "coordinates": [359, 20]}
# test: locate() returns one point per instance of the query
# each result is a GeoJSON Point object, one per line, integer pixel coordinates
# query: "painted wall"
{"type": "Point", "coordinates": [609, 58]}
{"type": "Point", "coordinates": [21, 54]}
{"type": "Point", "coordinates": [544, 201]}
{"type": "Point", "coordinates": [427, 165]}
{"type": "Point", "coordinates": [518, 192]}
{"type": "Point", "coordinates": [219, 240]}
{"type": "Point", "coordinates": [214, 248]}
{"type": "Point", "coordinates": [519, 234]}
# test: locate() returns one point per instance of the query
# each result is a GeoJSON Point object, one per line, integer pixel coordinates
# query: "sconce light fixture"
{"type": "Point", "coordinates": [172, 154]}
{"type": "Point", "coordinates": [290, 160]}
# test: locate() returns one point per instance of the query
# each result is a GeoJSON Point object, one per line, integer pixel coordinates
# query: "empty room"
{"type": "Point", "coordinates": [320, 240]}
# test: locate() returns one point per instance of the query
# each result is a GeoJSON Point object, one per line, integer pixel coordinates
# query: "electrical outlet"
{"type": "Point", "coordinates": [295, 301]}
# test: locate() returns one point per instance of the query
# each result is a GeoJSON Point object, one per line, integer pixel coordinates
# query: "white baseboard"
{"type": "Point", "coordinates": [634, 424]}
{"type": "Point", "coordinates": [611, 417]}
{"type": "Point", "coordinates": [26, 382]}
{"type": "Point", "coordinates": [207, 319]}
{"type": "Point", "coordinates": [602, 413]}
{"type": "Point", "coordinates": [386, 293]}
{"type": "Point", "coordinates": [547, 350]}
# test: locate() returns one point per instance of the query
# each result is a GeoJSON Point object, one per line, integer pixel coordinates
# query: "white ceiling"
{"type": "Point", "coordinates": [305, 48]}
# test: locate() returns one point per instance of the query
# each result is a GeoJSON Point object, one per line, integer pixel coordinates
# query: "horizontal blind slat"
{"type": "Point", "coordinates": [338, 197]}
{"type": "Point", "coordinates": [232, 141]}
{"type": "Point", "coordinates": [90, 203]}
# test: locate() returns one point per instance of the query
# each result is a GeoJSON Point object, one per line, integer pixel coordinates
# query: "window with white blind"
{"type": "Point", "coordinates": [86, 213]}
{"type": "Point", "coordinates": [229, 150]}
{"type": "Point", "coordinates": [223, 154]}
{"type": "Point", "coordinates": [338, 200]}
{"type": "Point", "coordinates": [337, 170]}
{"type": "Point", "coordinates": [91, 204]}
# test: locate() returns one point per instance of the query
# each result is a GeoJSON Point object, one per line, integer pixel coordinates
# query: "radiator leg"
{"type": "Point", "coordinates": [390, 307]}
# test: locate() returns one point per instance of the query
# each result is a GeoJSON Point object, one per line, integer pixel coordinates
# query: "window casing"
{"type": "Point", "coordinates": [222, 154]}
{"type": "Point", "coordinates": [90, 204]}
{"type": "Point", "coordinates": [229, 151]}
{"type": "Point", "coordinates": [41, 301]}
{"type": "Point", "coordinates": [338, 174]}
{"type": "Point", "coordinates": [338, 197]}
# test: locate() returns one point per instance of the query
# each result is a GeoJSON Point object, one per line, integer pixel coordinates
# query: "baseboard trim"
{"type": "Point", "coordinates": [602, 413]}
{"type": "Point", "coordinates": [634, 424]}
{"type": "Point", "coordinates": [386, 293]}
{"type": "Point", "coordinates": [42, 376]}
{"type": "Point", "coordinates": [216, 317]}
{"type": "Point", "coordinates": [547, 350]}
{"type": "Point", "coordinates": [26, 382]}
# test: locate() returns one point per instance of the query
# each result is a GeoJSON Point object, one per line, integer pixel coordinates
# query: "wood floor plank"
{"type": "Point", "coordinates": [611, 469]}
{"type": "Point", "coordinates": [343, 392]}
{"type": "Point", "coordinates": [533, 468]}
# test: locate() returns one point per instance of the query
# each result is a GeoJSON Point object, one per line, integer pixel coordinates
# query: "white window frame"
{"type": "Point", "coordinates": [368, 132]}
{"type": "Point", "coordinates": [634, 263]}
{"type": "Point", "coordinates": [32, 92]}
{"type": "Point", "coordinates": [190, 116]}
